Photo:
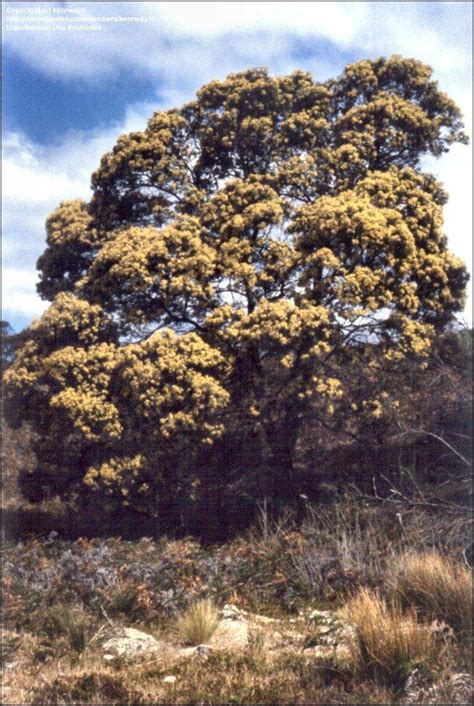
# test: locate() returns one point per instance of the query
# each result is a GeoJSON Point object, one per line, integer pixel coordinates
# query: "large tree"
{"type": "Point", "coordinates": [237, 258]}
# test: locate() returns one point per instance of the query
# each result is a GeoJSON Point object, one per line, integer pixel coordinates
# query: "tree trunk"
{"type": "Point", "coordinates": [281, 443]}
{"type": "Point", "coordinates": [282, 474]}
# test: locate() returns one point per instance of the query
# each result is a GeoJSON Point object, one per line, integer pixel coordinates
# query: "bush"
{"type": "Point", "coordinates": [388, 644]}
{"type": "Point", "coordinates": [199, 622]}
{"type": "Point", "coordinates": [437, 586]}
{"type": "Point", "coordinates": [347, 545]}
{"type": "Point", "coordinates": [67, 622]}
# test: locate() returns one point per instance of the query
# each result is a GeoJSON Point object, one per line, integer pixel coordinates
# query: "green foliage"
{"type": "Point", "coordinates": [65, 622]}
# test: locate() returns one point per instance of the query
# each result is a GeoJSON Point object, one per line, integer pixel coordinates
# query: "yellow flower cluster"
{"type": "Point", "coordinates": [243, 207]}
{"type": "Point", "coordinates": [118, 476]}
{"type": "Point", "coordinates": [149, 270]}
{"type": "Point", "coordinates": [71, 320]}
{"type": "Point", "coordinates": [83, 378]}
{"type": "Point", "coordinates": [56, 345]}
{"type": "Point", "coordinates": [70, 223]}
{"type": "Point", "coordinates": [174, 383]}
{"type": "Point", "coordinates": [279, 323]}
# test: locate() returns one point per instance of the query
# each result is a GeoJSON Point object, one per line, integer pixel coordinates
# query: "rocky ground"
{"type": "Point", "coordinates": [321, 637]}
{"type": "Point", "coordinates": [96, 621]}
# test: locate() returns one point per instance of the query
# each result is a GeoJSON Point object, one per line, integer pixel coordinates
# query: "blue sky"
{"type": "Point", "coordinates": [70, 90]}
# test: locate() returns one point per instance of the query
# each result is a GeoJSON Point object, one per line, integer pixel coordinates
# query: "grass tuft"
{"type": "Point", "coordinates": [388, 644]}
{"type": "Point", "coordinates": [198, 623]}
{"type": "Point", "coordinates": [437, 586]}
{"type": "Point", "coordinates": [68, 622]}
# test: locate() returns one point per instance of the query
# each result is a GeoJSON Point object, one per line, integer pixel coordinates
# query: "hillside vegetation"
{"type": "Point", "coordinates": [351, 559]}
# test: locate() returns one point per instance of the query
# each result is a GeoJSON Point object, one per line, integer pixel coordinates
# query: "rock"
{"type": "Point", "coordinates": [421, 687]}
{"type": "Point", "coordinates": [463, 688]}
{"type": "Point", "coordinates": [202, 651]}
{"type": "Point", "coordinates": [318, 616]}
{"type": "Point", "coordinates": [130, 644]}
{"type": "Point", "coordinates": [231, 612]}
{"type": "Point", "coordinates": [231, 633]}
{"type": "Point", "coordinates": [265, 620]}
{"type": "Point", "coordinates": [329, 637]}
{"type": "Point", "coordinates": [339, 653]}
{"type": "Point", "coordinates": [326, 629]}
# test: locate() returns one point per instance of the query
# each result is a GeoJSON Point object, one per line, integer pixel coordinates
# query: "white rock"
{"type": "Point", "coordinates": [197, 651]}
{"type": "Point", "coordinates": [130, 644]}
{"type": "Point", "coordinates": [231, 612]}
{"type": "Point", "coordinates": [231, 633]}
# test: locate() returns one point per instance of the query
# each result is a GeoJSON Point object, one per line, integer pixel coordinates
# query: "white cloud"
{"type": "Point", "coordinates": [145, 46]}
{"type": "Point", "coordinates": [337, 21]}
{"type": "Point", "coordinates": [35, 180]}
{"type": "Point", "coordinates": [454, 170]}
{"type": "Point", "coordinates": [186, 44]}
{"type": "Point", "coordinates": [18, 292]}
{"type": "Point", "coordinates": [385, 27]}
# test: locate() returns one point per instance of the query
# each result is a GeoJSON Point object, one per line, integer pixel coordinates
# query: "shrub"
{"type": "Point", "coordinates": [437, 586]}
{"type": "Point", "coordinates": [134, 600]}
{"type": "Point", "coordinates": [198, 623]}
{"type": "Point", "coordinates": [67, 622]}
{"type": "Point", "coordinates": [387, 643]}
{"type": "Point", "coordinates": [346, 545]}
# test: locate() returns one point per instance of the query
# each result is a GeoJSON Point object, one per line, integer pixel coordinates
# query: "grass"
{"type": "Point", "coordinates": [388, 642]}
{"type": "Point", "coordinates": [68, 623]}
{"type": "Point", "coordinates": [92, 687]}
{"type": "Point", "coordinates": [198, 623]}
{"type": "Point", "coordinates": [58, 595]}
{"type": "Point", "coordinates": [347, 545]}
{"type": "Point", "coordinates": [437, 586]}
{"type": "Point", "coordinates": [247, 678]}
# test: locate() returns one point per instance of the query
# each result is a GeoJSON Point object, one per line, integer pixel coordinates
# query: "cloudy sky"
{"type": "Point", "coordinates": [79, 74]}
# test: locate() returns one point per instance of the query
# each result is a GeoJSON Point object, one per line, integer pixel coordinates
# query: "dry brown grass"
{"type": "Point", "coordinates": [388, 642]}
{"type": "Point", "coordinates": [198, 623]}
{"type": "Point", "coordinates": [245, 678]}
{"type": "Point", "coordinates": [437, 586]}
{"type": "Point", "coordinates": [52, 659]}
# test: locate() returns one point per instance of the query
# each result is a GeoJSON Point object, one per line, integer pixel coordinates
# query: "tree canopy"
{"type": "Point", "coordinates": [237, 259]}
